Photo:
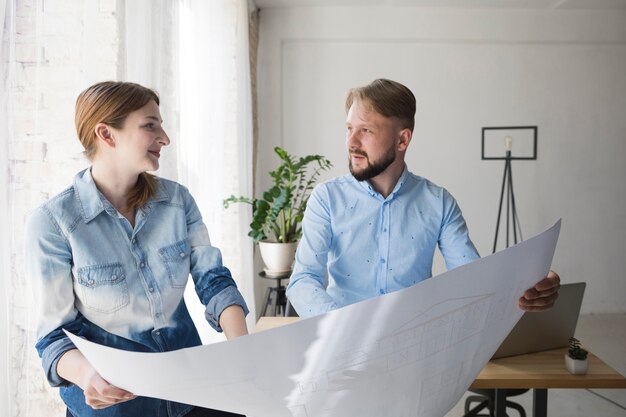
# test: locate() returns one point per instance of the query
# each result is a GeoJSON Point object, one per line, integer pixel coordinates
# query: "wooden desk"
{"type": "Point", "coordinates": [269, 322]}
{"type": "Point", "coordinates": [540, 371]}
{"type": "Point", "coordinates": [537, 371]}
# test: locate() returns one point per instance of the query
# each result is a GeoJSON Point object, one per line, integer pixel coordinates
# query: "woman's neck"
{"type": "Point", "coordinates": [114, 185]}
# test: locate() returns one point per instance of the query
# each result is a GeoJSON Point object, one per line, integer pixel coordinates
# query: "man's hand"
{"type": "Point", "coordinates": [543, 295]}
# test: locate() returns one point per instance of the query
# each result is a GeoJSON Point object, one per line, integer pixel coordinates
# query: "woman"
{"type": "Point", "coordinates": [111, 255]}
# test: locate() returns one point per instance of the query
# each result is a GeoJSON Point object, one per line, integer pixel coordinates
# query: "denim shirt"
{"type": "Point", "coordinates": [120, 286]}
{"type": "Point", "coordinates": [368, 245]}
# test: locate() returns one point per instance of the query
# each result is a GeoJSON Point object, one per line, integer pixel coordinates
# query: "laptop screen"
{"type": "Point", "coordinates": [546, 330]}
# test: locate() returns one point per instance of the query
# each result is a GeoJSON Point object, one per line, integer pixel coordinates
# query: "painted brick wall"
{"type": "Point", "coordinates": [58, 53]}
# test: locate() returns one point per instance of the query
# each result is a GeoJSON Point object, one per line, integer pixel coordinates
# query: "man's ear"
{"type": "Point", "coordinates": [404, 139]}
{"type": "Point", "coordinates": [104, 134]}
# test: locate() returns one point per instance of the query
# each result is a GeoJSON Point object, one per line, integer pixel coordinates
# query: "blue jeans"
{"type": "Point", "coordinates": [196, 412]}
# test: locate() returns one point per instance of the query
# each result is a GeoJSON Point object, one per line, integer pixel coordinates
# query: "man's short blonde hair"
{"type": "Point", "coordinates": [389, 98]}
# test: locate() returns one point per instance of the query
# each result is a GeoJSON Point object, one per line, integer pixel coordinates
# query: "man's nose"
{"type": "Point", "coordinates": [353, 140]}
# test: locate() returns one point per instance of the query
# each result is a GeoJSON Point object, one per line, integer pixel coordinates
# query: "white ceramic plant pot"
{"type": "Point", "coordinates": [576, 366]}
{"type": "Point", "coordinates": [278, 257]}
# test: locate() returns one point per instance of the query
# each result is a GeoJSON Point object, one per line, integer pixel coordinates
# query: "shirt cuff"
{"type": "Point", "coordinates": [308, 299]}
{"type": "Point", "coordinates": [50, 359]}
{"type": "Point", "coordinates": [227, 297]}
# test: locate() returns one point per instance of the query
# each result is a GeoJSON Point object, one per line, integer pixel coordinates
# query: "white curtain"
{"type": "Point", "coordinates": [215, 143]}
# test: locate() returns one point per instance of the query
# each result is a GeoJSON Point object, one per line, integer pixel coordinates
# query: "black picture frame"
{"type": "Point", "coordinates": [528, 158]}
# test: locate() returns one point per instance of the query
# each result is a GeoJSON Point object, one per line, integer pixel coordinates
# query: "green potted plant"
{"type": "Point", "coordinates": [576, 357]}
{"type": "Point", "coordinates": [277, 214]}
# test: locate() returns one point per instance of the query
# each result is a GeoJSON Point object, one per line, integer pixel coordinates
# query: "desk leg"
{"type": "Point", "coordinates": [500, 403]}
{"type": "Point", "coordinates": [540, 402]}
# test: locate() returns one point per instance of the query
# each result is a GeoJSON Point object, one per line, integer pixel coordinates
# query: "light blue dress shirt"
{"type": "Point", "coordinates": [99, 277]}
{"type": "Point", "coordinates": [363, 245]}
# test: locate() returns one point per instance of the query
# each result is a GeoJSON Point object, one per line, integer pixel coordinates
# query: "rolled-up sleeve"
{"type": "Point", "coordinates": [227, 297]}
{"type": "Point", "coordinates": [48, 260]}
{"type": "Point", "coordinates": [213, 282]}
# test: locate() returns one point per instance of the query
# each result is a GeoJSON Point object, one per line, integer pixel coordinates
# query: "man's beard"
{"type": "Point", "coordinates": [372, 169]}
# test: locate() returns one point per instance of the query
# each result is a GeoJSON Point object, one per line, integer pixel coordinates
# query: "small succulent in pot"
{"type": "Point", "coordinates": [575, 350]}
{"type": "Point", "coordinates": [576, 358]}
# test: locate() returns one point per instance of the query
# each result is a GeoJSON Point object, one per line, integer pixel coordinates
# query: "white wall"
{"type": "Point", "coordinates": [564, 71]}
{"type": "Point", "coordinates": [4, 238]}
{"type": "Point", "coordinates": [57, 54]}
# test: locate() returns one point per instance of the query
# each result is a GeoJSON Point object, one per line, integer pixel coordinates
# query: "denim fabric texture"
{"type": "Point", "coordinates": [97, 276]}
{"type": "Point", "coordinates": [367, 245]}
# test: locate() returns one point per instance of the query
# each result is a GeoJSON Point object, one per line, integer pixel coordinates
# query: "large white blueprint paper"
{"type": "Point", "coordinates": [410, 353]}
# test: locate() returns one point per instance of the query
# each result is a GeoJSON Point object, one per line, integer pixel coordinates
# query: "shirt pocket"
{"type": "Point", "coordinates": [176, 258]}
{"type": "Point", "coordinates": [103, 288]}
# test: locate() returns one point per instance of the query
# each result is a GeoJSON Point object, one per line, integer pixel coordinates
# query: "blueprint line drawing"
{"type": "Point", "coordinates": [409, 353]}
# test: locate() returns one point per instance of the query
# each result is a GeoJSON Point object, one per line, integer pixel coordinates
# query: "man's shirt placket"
{"type": "Point", "coordinates": [383, 247]}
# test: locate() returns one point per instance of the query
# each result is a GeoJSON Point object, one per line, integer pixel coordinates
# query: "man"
{"type": "Point", "coordinates": [376, 229]}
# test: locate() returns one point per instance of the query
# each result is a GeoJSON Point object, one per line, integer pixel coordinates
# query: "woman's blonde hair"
{"type": "Point", "coordinates": [110, 102]}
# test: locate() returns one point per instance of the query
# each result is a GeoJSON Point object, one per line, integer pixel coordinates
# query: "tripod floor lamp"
{"type": "Point", "coordinates": [500, 143]}
{"type": "Point", "coordinates": [495, 140]}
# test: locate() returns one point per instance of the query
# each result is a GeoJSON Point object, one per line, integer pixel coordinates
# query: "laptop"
{"type": "Point", "coordinates": [546, 330]}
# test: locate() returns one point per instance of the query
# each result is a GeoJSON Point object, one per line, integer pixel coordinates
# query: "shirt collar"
{"type": "Point", "coordinates": [93, 202]}
{"type": "Point", "coordinates": [371, 191]}
{"type": "Point", "coordinates": [401, 181]}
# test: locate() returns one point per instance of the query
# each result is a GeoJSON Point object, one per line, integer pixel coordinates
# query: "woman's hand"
{"type": "Point", "coordinates": [98, 393]}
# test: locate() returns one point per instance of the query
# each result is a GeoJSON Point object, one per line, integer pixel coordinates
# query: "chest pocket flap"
{"type": "Point", "coordinates": [103, 287]}
{"type": "Point", "coordinates": [177, 262]}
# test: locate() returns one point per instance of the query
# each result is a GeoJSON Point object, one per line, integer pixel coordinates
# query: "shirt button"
{"type": "Point", "coordinates": [158, 333]}
{"type": "Point", "coordinates": [151, 289]}
{"type": "Point", "coordinates": [141, 265]}
{"type": "Point", "coordinates": [385, 229]}
{"type": "Point", "coordinates": [91, 281]}
{"type": "Point", "coordinates": [113, 277]}
{"type": "Point", "coordinates": [382, 261]}
{"type": "Point", "coordinates": [134, 241]}
{"type": "Point", "coordinates": [182, 254]}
